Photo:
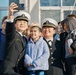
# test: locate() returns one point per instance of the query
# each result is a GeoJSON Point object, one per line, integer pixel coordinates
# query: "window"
{"type": "Point", "coordinates": [55, 14]}
{"type": "Point", "coordinates": [56, 2]}
{"type": "Point", "coordinates": [44, 2]}
{"type": "Point", "coordinates": [4, 3]}
{"type": "Point", "coordinates": [2, 14]}
{"type": "Point", "coordinates": [50, 2]}
{"type": "Point", "coordinates": [66, 13]}
{"type": "Point", "coordinates": [16, 1]}
{"type": "Point", "coordinates": [65, 0]}
{"type": "Point", "coordinates": [68, 2]}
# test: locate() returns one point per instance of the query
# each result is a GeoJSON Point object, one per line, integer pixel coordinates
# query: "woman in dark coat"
{"type": "Point", "coordinates": [69, 24]}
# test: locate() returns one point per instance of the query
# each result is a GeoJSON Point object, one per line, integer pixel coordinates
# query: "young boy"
{"type": "Point", "coordinates": [37, 53]}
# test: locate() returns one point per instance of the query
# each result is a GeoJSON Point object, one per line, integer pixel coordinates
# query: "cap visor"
{"type": "Point", "coordinates": [21, 18]}
{"type": "Point", "coordinates": [49, 26]}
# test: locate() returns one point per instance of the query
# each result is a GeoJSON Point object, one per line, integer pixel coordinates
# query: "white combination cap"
{"type": "Point", "coordinates": [21, 15]}
{"type": "Point", "coordinates": [49, 22]}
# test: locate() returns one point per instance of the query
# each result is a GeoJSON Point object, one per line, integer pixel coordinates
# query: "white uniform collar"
{"type": "Point", "coordinates": [49, 39]}
{"type": "Point", "coordinates": [19, 33]}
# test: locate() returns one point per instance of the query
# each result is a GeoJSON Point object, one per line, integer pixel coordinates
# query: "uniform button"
{"type": "Point", "coordinates": [18, 59]}
{"type": "Point", "coordinates": [52, 58]}
{"type": "Point", "coordinates": [51, 62]}
{"type": "Point", "coordinates": [51, 53]}
{"type": "Point", "coordinates": [50, 48]}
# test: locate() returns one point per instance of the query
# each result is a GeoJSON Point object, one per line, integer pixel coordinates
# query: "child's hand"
{"type": "Point", "coordinates": [26, 65]}
{"type": "Point", "coordinates": [71, 51]}
{"type": "Point", "coordinates": [31, 65]}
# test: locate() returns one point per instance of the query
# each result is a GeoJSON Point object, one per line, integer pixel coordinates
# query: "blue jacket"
{"type": "Point", "coordinates": [39, 53]}
{"type": "Point", "coordinates": [2, 45]}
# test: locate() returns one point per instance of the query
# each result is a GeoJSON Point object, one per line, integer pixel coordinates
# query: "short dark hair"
{"type": "Point", "coordinates": [71, 15]}
{"type": "Point", "coordinates": [59, 22]}
{"type": "Point", "coordinates": [4, 18]}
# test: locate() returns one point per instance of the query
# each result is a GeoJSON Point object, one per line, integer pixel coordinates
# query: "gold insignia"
{"type": "Point", "coordinates": [17, 39]}
{"type": "Point", "coordinates": [47, 22]}
{"type": "Point", "coordinates": [51, 62]}
{"type": "Point", "coordinates": [23, 15]}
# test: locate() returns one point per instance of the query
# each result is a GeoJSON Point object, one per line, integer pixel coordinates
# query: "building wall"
{"type": "Point", "coordinates": [56, 9]}
{"type": "Point", "coordinates": [34, 10]}
{"type": "Point", "coordinates": [40, 9]}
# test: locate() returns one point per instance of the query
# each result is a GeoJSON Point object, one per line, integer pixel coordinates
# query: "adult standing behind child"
{"type": "Point", "coordinates": [37, 53]}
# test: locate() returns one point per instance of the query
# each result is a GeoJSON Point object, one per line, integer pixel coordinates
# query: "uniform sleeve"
{"type": "Point", "coordinates": [10, 31]}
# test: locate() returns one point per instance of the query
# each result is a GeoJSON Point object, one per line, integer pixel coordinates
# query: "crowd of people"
{"type": "Point", "coordinates": [46, 49]}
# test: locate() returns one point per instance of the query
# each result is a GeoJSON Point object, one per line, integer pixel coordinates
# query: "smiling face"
{"type": "Point", "coordinates": [35, 33]}
{"type": "Point", "coordinates": [21, 25]}
{"type": "Point", "coordinates": [48, 32]}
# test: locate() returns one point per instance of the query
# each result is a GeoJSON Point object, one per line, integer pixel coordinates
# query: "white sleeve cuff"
{"type": "Point", "coordinates": [8, 20]}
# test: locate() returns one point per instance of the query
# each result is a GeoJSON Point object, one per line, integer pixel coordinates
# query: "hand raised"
{"type": "Point", "coordinates": [12, 9]}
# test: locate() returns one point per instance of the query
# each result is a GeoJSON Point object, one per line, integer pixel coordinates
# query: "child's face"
{"type": "Point", "coordinates": [21, 25]}
{"type": "Point", "coordinates": [35, 33]}
{"type": "Point", "coordinates": [48, 32]}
